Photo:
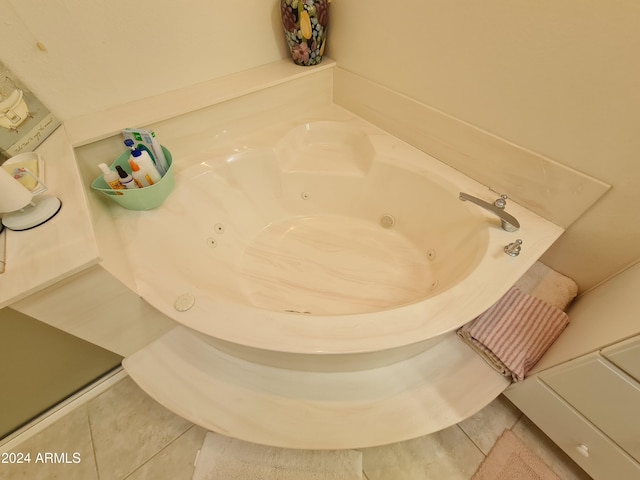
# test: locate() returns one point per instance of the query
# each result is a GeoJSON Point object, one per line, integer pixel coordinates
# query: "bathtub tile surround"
{"type": "Point", "coordinates": [237, 92]}
{"type": "Point", "coordinates": [548, 188]}
{"type": "Point", "coordinates": [455, 452]}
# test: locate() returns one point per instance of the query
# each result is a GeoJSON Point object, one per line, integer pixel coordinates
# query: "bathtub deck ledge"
{"type": "Point", "coordinates": [315, 410]}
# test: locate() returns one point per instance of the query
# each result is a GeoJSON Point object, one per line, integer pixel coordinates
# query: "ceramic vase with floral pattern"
{"type": "Point", "coordinates": [305, 27]}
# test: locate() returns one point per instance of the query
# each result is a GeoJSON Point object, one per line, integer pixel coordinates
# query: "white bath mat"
{"type": "Point", "coordinates": [224, 458]}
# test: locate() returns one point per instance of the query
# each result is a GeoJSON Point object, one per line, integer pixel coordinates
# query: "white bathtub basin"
{"type": "Point", "coordinates": [334, 239]}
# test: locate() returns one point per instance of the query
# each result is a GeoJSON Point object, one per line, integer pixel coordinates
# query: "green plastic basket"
{"type": "Point", "coordinates": [146, 198]}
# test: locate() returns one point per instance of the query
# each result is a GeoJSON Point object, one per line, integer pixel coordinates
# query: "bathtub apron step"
{"type": "Point", "coordinates": [314, 410]}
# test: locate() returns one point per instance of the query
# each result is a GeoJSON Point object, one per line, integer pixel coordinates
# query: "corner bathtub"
{"type": "Point", "coordinates": [333, 243]}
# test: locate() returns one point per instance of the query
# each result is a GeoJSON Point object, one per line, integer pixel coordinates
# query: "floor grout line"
{"type": "Point", "coordinates": [128, 475]}
{"type": "Point", "coordinates": [472, 440]}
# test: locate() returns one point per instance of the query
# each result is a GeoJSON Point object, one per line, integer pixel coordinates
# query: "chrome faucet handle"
{"type": "Point", "coordinates": [513, 248]}
{"type": "Point", "coordinates": [501, 202]}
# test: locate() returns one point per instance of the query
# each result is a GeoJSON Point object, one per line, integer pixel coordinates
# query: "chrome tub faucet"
{"type": "Point", "coordinates": [509, 222]}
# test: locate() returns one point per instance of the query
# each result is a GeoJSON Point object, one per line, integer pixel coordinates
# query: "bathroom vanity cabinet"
{"type": "Point", "coordinates": [585, 392]}
{"type": "Point", "coordinates": [588, 406]}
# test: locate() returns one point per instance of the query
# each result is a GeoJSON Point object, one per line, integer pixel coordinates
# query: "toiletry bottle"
{"type": "Point", "coordinates": [111, 177]}
{"type": "Point", "coordinates": [126, 179]}
{"type": "Point", "coordinates": [140, 177]}
{"type": "Point", "coordinates": [146, 140]}
{"type": "Point", "coordinates": [146, 160]}
{"type": "Point", "coordinates": [145, 163]}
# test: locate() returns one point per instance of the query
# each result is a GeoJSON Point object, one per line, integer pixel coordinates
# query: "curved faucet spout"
{"type": "Point", "coordinates": [509, 222]}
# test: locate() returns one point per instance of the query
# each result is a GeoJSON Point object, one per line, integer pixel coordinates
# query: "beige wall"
{"type": "Point", "coordinates": [101, 53]}
{"type": "Point", "coordinates": [559, 78]}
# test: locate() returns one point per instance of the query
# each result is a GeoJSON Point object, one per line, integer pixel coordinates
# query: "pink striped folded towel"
{"type": "Point", "coordinates": [515, 332]}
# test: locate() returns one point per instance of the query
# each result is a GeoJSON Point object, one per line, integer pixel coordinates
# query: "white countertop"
{"type": "Point", "coordinates": [63, 246]}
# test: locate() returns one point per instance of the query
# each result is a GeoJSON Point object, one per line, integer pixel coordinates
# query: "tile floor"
{"type": "Point", "coordinates": [124, 434]}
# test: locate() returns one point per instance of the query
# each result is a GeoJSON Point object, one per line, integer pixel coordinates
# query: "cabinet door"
{"type": "Point", "coordinates": [604, 394]}
{"type": "Point", "coordinates": [626, 355]}
{"type": "Point", "coordinates": [585, 444]}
